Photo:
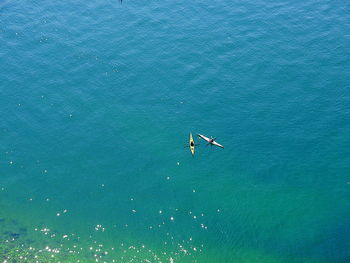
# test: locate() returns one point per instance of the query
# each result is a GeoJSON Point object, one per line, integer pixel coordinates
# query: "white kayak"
{"type": "Point", "coordinates": [210, 141]}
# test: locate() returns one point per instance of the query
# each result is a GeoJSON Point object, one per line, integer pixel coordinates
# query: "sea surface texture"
{"type": "Point", "coordinates": [97, 100]}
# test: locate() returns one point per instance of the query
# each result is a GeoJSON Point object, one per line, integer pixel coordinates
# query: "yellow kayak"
{"type": "Point", "coordinates": [191, 144]}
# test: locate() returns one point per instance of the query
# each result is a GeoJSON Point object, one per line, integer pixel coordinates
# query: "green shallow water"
{"type": "Point", "coordinates": [98, 99]}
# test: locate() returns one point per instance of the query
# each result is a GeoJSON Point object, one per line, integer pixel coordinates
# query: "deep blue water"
{"type": "Point", "coordinates": [97, 101]}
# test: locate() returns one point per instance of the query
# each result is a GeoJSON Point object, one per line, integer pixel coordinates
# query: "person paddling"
{"type": "Point", "coordinates": [211, 141]}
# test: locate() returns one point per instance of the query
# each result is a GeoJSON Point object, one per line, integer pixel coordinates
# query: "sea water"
{"type": "Point", "coordinates": [97, 102]}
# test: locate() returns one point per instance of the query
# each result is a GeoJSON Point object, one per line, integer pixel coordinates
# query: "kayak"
{"type": "Point", "coordinates": [191, 144]}
{"type": "Point", "coordinates": [210, 141]}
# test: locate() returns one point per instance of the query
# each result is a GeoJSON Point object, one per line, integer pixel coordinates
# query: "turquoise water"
{"type": "Point", "coordinates": [97, 101]}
